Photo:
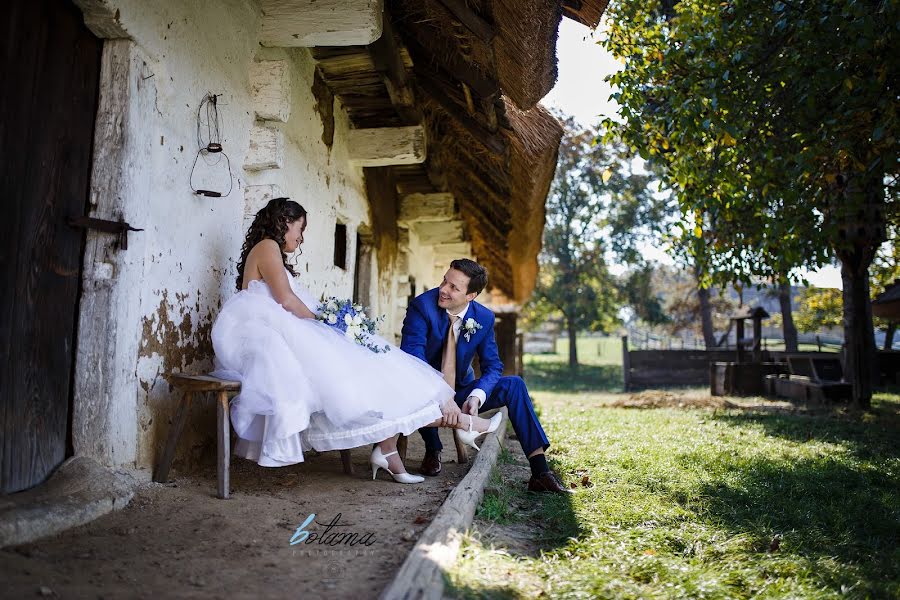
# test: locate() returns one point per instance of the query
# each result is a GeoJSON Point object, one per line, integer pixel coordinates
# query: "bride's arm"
{"type": "Point", "coordinates": [272, 269]}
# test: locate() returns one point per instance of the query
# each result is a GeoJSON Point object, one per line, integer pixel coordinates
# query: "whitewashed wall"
{"type": "Point", "coordinates": [192, 243]}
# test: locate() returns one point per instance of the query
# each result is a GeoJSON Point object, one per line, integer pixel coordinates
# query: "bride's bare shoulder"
{"type": "Point", "coordinates": [266, 246]}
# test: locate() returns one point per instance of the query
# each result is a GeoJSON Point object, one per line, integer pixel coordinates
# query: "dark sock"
{"type": "Point", "coordinates": [538, 464]}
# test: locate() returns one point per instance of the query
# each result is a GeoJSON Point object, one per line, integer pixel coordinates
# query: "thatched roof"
{"type": "Point", "coordinates": [476, 69]}
{"type": "Point", "coordinates": [586, 12]}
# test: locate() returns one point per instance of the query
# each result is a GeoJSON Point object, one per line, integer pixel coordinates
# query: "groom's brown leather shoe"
{"type": "Point", "coordinates": [547, 482]}
{"type": "Point", "coordinates": [431, 464]}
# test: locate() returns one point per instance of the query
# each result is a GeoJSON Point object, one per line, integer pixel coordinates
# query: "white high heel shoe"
{"type": "Point", "coordinates": [379, 461]}
{"type": "Point", "coordinates": [468, 437]}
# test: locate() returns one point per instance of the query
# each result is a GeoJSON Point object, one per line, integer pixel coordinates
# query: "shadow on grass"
{"type": "Point", "coordinates": [822, 508]}
{"type": "Point", "coordinates": [558, 377]}
{"type": "Point", "coordinates": [869, 435]}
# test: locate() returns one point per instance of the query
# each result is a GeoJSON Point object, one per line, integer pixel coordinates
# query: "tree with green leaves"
{"type": "Point", "coordinates": [593, 183]}
{"type": "Point", "coordinates": [775, 123]}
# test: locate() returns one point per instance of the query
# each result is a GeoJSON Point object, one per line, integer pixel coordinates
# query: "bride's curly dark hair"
{"type": "Point", "coordinates": [271, 222]}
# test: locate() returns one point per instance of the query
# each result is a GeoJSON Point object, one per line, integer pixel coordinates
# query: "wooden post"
{"type": "Point", "coordinates": [757, 342]}
{"type": "Point", "coordinates": [626, 366]}
{"type": "Point", "coordinates": [224, 446]}
{"type": "Point", "coordinates": [402, 443]}
{"type": "Point", "coordinates": [462, 455]}
{"type": "Point", "coordinates": [165, 461]}
{"type": "Point", "coordinates": [347, 462]}
{"type": "Point", "coordinates": [739, 323]}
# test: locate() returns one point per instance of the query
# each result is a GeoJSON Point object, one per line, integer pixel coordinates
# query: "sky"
{"type": "Point", "coordinates": [581, 91]}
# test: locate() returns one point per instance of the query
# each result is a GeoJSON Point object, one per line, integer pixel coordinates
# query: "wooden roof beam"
{"type": "Point", "coordinates": [301, 23]}
{"type": "Point", "coordinates": [419, 208]}
{"type": "Point", "coordinates": [388, 62]}
{"type": "Point", "coordinates": [473, 22]}
{"type": "Point", "coordinates": [494, 142]}
{"type": "Point", "coordinates": [459, 69]}
{"type": "Point", "coordinates": [384, 146]}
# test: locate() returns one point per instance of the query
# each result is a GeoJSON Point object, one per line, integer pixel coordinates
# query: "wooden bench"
{"type": "Point", "coordinates": [206, 384]}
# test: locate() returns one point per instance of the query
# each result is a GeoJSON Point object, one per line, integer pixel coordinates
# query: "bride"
{"type": "Point", "coordinates": [303, 384]}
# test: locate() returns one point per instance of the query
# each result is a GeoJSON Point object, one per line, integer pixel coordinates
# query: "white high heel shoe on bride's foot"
{"type": "Point", "coordinates": [379, 461]}
{"type": "Point", "coordinates": [468, 437]}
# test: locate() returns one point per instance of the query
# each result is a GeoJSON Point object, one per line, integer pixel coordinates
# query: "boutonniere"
{"type": "Point", "coordinates": [471, 326]}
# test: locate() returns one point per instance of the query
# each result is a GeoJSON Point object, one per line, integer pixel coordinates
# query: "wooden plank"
{"type": "Point", "coordinates": [202, 383]}
{"type": "Point", "coordinates": [473, 21]}
{"type": "Point", "coordinates": [422, 574]}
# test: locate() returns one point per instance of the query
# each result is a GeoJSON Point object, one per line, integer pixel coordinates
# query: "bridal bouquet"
{"type": "Point", "coordinates": [351, 320]}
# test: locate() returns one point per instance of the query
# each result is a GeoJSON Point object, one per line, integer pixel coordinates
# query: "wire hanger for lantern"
{"type": "Point", "coordinates": [209, 140]}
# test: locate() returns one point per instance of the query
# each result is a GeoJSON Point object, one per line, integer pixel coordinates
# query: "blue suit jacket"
{"type": "Point", "coordinates": [425, 328]}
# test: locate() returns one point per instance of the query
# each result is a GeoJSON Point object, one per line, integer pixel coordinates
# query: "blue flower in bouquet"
{"type": "Point", "coordinates": [351, 320]}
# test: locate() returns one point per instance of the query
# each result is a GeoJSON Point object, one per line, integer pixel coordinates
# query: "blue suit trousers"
{"type": "Point", "coordinates": [512, 393]}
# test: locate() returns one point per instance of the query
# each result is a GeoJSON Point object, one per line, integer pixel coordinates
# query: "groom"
{"type": "Point", "coordinates": [448, 317]}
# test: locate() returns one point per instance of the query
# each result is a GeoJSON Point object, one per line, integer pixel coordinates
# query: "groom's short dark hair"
{"type": "Point", "coordinates": [478, 276]}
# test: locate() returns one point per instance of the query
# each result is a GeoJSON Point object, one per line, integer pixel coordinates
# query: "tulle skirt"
{"type": "Point", "coordinates": [304, 385]}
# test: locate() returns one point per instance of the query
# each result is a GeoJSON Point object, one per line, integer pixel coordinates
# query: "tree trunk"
{"type": "Point", "coordinates": [858, 210]}
{"type": "Point", "coordinates": [709, 335]}
{"type": "Point", "coordinates": [859, 334]}
{"type": "Point", "coordinates": [889, 336]}
{"type": "Point", "coordinates": [573, 348]}
{"type": "Point", "coordinates": [787, 317]}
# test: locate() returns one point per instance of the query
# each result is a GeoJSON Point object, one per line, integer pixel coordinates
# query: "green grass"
{"type": "Point", "coordinates": [690, 503]}
{"type": "Point", "coordinates": [599, 367]}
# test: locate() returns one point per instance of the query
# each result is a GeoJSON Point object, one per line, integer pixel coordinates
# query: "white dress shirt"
{"type": "Point", "coordinates": [457, 327]}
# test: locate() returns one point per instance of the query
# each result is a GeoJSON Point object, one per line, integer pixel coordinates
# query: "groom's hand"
{"type": "Point", "coordinates": [471, 406]}
{"type": "Point", "coordinates": [451, 413]}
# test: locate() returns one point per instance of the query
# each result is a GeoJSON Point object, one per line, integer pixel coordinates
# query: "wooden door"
{"type": "Point", "coordinates": [50, 70]}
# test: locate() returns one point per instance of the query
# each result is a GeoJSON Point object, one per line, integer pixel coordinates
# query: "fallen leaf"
{"type": "Point", "coordinates": [586, 481]}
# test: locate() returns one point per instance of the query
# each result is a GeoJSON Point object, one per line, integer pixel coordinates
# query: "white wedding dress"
{"type": "Point", "coordinates": [304, 385]}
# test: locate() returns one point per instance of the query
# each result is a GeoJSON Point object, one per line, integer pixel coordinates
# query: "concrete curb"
{"type": "Point", "coordinates": [421, 576]}
{"type": "Point", "coordinates": [80, 491]}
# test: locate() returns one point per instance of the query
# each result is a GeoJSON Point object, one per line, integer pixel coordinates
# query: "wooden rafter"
{"type": "Point", "coordinates": [456, 67]}
{"type": "Point", "coordinates": [437, 91]}
{"type": "Point", "coordinates": [473, 21]}
{"type": "Point", "coordinates": [388, 62]}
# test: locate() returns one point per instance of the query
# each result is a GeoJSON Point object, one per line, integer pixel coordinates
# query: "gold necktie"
{"type": "Point", "coordinates": [448, 360]}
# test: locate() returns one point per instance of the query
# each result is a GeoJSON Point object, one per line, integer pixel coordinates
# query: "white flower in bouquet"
{"type": "Point", "coordinates": [350, 319]}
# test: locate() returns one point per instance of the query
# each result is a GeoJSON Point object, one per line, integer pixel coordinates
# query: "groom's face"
{"type": "Point", "coordinates": [453, 293]}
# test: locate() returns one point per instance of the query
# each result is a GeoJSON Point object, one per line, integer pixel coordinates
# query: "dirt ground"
{"type": "Point", "coordinates": [177, 540]}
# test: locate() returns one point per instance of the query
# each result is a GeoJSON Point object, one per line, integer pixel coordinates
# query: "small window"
{"type": "Point", "coordinates": [340, 245]}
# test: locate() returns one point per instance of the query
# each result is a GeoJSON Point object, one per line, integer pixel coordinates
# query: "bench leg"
{"type": "Point", "coordinates": [224, 446]}
{"type": "Point", "coordinates": [345, 460]}
{"type": "Point", "coordinates": [165, 461]}
{"type": "Point", "coordinates": [462, 457]}
{"type": "Point", "coordinates": [402, 442]}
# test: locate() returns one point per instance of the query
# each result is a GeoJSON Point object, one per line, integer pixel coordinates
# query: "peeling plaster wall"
{"type": "Point", "coordinates": [192, 243]}
{"type": "Point", "coordinates": [421, 264]}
